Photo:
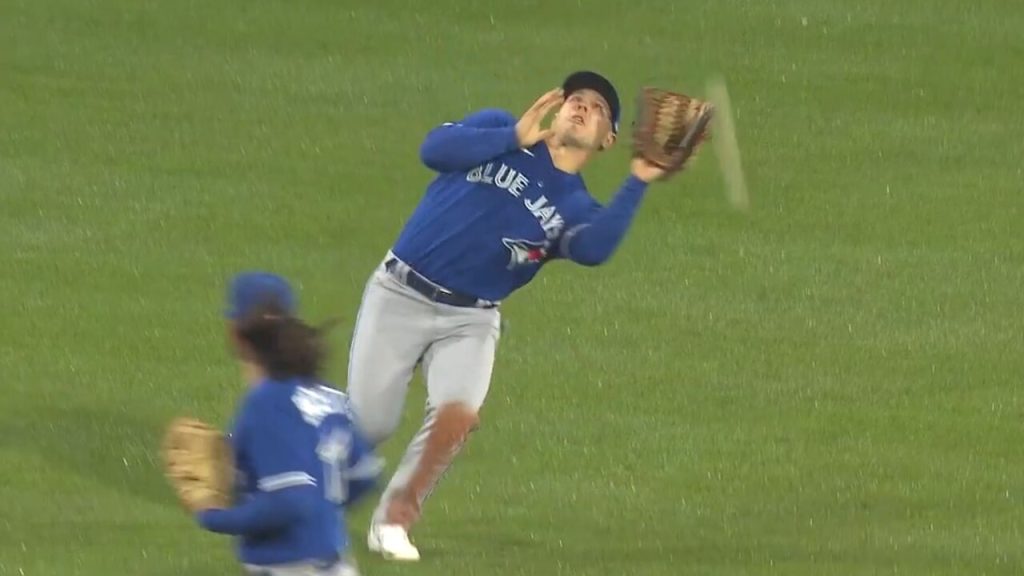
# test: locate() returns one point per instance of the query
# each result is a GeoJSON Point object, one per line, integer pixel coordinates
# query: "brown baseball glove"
{"type": "Point", "coordinates": [669, 127]}
{"type": "Point", "coordinates": [199, 464]}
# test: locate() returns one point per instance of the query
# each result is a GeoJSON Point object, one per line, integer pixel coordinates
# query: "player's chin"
{"type": "Point", "coordinates": [581, 141]}
{"type": "Point", "coordinates": [566, 130]}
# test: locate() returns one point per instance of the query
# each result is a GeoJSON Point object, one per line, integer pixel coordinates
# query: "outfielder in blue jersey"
{"type": "Point", "coordinates": [300, 461]}
{"type": "Point", "coordinates": [507, 199]}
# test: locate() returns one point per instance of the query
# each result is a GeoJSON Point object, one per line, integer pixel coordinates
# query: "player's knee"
{"type": "Point", "coordinates": [458, 418]}
{"type": "Point", "coordinates": [376, 428]}
{"type": "Point", "coordinates": [375, 419]}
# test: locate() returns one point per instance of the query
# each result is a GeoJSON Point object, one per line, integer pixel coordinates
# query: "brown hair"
{"type": "Point", "coordinates": [284, 345]}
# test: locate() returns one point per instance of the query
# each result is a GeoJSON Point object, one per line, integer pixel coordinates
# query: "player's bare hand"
{"type": "Point", "coordinates": [646, 171]}
{"type": "Point", "coordinates": [529, 129]}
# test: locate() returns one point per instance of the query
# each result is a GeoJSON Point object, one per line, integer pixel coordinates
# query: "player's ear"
{"type": "Point", "coordinates": [609, 140]}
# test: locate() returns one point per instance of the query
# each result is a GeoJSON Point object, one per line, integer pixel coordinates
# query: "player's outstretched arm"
{"type": "Point", "coordinates": [462, 145]}
{"type": "Point", "coordinates": [592, 243]}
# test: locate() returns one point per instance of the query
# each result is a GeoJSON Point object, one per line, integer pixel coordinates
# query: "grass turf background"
{"type": "Point", "coordinates": [828, 384]}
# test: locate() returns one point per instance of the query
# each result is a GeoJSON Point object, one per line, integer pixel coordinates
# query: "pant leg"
{"type": "Point", "coordinates": [406, 466]}
{"type": "Point", "coordinates": [458, 368]}
{"type": "Point", "coordinates": [392, 331]}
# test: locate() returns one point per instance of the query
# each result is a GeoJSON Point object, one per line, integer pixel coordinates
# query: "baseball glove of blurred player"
{"type": "Point", "coordinates": [199, 464]}
{"type": "Point", "coordinates": [669, 127]}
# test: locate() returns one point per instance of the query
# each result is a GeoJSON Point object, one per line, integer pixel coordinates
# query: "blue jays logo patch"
{"type": "Point", "coordinates": [524, 252]}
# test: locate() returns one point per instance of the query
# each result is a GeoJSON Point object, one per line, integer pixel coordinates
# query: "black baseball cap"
{"type": "Point", "coordinates": [585, 79]}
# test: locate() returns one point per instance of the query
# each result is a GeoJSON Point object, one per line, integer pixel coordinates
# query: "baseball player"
{"type": "Point", "coordinates": [299, 459]}
{"type": "Point", "coordinates": [507, 199]}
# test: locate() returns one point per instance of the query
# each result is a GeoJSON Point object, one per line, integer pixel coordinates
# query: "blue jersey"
{"type": "Point", "coordinates": [496, 213]}
{"type": "Point", "coordinates": [299, 460]}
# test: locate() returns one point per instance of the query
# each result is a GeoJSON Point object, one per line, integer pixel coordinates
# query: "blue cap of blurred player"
{"type": "Point", "coordinates": [251, 289]}
{"type": "Point", "coordinates": [587, 79]}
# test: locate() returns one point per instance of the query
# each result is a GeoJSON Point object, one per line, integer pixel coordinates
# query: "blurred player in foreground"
{"type": "Point", "coordinates": [299, 460]}
{"type": "Point", "coordinates": [508, 198]}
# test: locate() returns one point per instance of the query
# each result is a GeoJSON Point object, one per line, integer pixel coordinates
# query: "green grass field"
{"type": "Point", "coordinates": [829, 384]}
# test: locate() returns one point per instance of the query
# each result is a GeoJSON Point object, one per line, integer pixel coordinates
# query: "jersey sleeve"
{"type": "Point", "coordinates": [486, 118]}
{"type": "Point", "coordinates": [286, 491]}
{"type": "Point", "coordinates": [594, 239]}
{"type": "Point", "coordinates": [363, 468]}
{"type": "Point", "coordinates": [469, 142]}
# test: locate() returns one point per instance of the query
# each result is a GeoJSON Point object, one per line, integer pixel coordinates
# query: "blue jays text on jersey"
{"type": "Point", "coordinates": [299, 460]}
{"type": "Point", "coordinates": [496, 213]}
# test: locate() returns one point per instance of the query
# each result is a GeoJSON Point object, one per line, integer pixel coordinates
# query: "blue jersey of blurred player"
{"type": "Point", "coordinates": [507, 199]}
{"type": "Point", "coordinates": [299, 459]}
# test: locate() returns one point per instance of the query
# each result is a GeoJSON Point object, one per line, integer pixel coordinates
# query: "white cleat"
{"type": "Point", "coordinates": [392, 542]}
{"type": "Point", "coordinates": [348, 570]}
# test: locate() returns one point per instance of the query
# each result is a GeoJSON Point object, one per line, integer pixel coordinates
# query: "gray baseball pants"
{"type": "Point", "coordinates": [398, 329]}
